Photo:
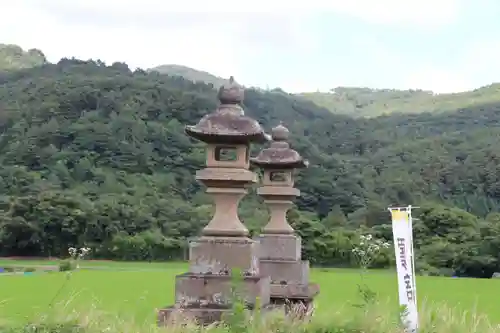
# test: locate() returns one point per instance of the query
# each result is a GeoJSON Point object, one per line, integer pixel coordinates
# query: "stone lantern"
{"type": "Point", "coordinates": [280, 248]}
{"type": "Point", "coordinates": [205, 292]}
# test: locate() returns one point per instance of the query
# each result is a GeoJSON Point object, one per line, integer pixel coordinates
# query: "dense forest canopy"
{"type": "Point", "coordinates": [13, 57]}
{"type": "Point", "coordinates": [96, 155]}
{"type": "Point", "coordinates": [366, 102]}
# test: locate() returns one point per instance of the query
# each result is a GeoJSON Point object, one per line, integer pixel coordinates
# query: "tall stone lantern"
{"type": "Point", "coordinates": [205, 292]}
{"type": "Point", "coordinates": [280, 247]}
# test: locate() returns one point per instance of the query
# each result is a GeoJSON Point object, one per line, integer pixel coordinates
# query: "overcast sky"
{"type": "Point", "coordinates": [439, 45]}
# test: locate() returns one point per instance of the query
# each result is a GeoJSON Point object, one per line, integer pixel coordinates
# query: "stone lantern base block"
{"type": "Point", "coordinates": [289, 272]}
{"type": "Point", "coordinates": [295, 299]}
{"type": "Point", "coordinates": [280, 247]}
{"type": "Point", "coordinates": [206, 298]}
{"type": "Point", "coordinates": [282, 293]}
{"type": "Point", "coordinates": [174, 315]}
{"type": "Point", "coordinates": [219, 255]}
{"type": "Point", "coordinates": [202, 315]}
{"type": "Point", "coordinates": [219, 290]}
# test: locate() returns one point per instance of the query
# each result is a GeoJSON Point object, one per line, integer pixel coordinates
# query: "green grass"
{"type": "Point", "coordinates": [143, 287]}
{"type": "Point", "coordinates": [94, 263]}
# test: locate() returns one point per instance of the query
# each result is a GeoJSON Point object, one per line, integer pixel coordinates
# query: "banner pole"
{"type": "Point", "coordinates": [402, 230]}
{"type": "Point", "coordinates": [413, 256]}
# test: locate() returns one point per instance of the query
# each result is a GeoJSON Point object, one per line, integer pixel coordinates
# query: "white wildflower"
{"type": "Point", "coordinates": [78, 254]}
{"type": "Point", "coordinates": [83, 252]}
{"type": "Point", "coordinates": [367, 249]}
{"type": "Point", "coordinates": [72, 251]}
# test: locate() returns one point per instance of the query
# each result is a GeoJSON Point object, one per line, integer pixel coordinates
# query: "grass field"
{"type": "Point", "coordinates": [135, 290]}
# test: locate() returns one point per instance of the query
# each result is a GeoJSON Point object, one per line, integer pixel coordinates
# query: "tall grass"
{"type": "Point", "coordinates": [30, 299]}
{"type": "Point", "coordinates": [374, 318]}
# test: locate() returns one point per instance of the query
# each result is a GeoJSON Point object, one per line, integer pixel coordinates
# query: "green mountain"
{"type": "Point", "coordinates": [96, 155]}
{"type": "Point", "coordinates": [366, 102]}
{"type": "Point", "coordinates": [190, 74]}
{"type": "Point", "coordinates": [13, 57]}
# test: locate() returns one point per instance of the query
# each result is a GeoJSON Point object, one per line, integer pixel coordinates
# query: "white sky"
{"type": "Point", "coordinates": [271, 47]}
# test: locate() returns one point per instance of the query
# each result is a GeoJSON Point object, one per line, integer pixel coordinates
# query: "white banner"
{"type": "Point", "coordinates": [405, 264]}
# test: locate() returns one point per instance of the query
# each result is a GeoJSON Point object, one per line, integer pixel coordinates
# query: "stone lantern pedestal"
{"type": "Point", "coordinates": [206, 292]}
{"type": "Point", "coordinates": [280, 247]}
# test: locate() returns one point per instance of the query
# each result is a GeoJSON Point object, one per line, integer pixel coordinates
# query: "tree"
{"type": "Point", "coordinates": [95, 155]}
{"type": "Point", "coordinates": [335, 218]}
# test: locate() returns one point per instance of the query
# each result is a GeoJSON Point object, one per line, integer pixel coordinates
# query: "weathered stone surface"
{"type": "Point", "coordinates": [279, 154]}
{"type": "Point", "coordinates": [240, 159]}
{"type": "Point", "coordinates": [219, 290]}
{"type": "Point", "coordinates": [289, 272]}
{"type": "Point", "coordinates": [175, 315]}
{"type": "Point", "coordinates": [225, 221]}
{"type": "Point", "coordinates": [203, 315]}
{"type": "Point", "coordinates": [235, 176]}
{"type": "Point", "coordinates": [226, 186]}
{"type": "Point", "coordinates": [279, 247]}
{"type": "Point", "coordinates": [228, 124]}
{"type": "Point", "coordinates": [294, 291]}
{"type": "Point", "coordinates": [278, 192]}
{"type": "Point", "coordinates": [278, 224]}
{"type": "Point", "coordinates": [218, 255]}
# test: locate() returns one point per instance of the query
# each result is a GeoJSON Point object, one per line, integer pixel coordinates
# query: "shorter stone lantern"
{"type": "Point", "coordinates": [280, 247]}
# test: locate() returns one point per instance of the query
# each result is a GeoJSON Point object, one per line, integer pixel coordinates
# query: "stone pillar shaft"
{"type": "Point", "coordinates": [225, 221]}
{"type": "Point", "coordinates": [278, 223]}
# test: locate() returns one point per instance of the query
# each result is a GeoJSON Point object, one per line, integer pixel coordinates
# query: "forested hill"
{"type": "Point", "coordinates": [91, 154]}
{"type": "Point", "coordinates": [366, 102]}
{"type": "Point", "coordinates": [190, 74]}
{"type": "Point", "coordinates": [13, 57]}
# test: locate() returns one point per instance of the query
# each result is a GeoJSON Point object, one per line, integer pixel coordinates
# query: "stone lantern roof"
{"type": "Point", "coordinates": [228, 124]}
{"type": "Point", "coordinates": [279, 155]}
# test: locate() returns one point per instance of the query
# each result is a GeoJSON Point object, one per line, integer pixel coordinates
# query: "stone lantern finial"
{"type": "Point", "coordinates": [280, 133]}
{"type": "Point", "coordinates": [228, 125]}
{"type": "Point", "coordinates": [231, 93]}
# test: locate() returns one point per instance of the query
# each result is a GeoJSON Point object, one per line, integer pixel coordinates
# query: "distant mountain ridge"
{"type": "Point", "coordinates": [13, 57]}
{"type": "Point", "coordinates": [190, 74]}
{"type": "Point", "coordinates": [366, 102]}
{"type": "Point", "coordinates": [352, 101]}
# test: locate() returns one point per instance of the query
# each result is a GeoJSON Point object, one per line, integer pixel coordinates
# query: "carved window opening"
{"type": "Point", "coordinates": [277, 176]}
{"type": "Point", "coordinates": [226, 154]}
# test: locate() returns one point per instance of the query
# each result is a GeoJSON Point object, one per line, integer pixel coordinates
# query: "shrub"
{"type": "Point", "coordinates": [66, 265]}
{"type": "Point", "coordinates": [145, 246]}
